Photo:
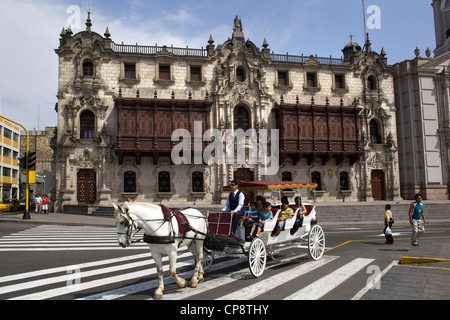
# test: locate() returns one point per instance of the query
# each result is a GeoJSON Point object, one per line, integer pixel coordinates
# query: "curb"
{"type": "Point", "coordinates": [411, 260]}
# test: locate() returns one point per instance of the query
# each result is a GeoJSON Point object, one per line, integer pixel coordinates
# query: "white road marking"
{"type": "Point", "coordinates": [321, 287]}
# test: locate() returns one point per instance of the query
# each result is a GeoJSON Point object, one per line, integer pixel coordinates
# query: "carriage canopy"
{"type": "Point", "coordinates": [272, 185]}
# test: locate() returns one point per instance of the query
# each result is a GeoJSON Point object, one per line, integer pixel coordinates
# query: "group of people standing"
{"type": "Point", "coordinates": [41, 204]}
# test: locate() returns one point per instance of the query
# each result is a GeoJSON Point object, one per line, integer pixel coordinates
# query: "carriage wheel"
{"type": "Point", "coordinates": [257, 257]}
{"type": "Point", "coordinates": [316, 242]}
{"type": "Point", "coordinates": [208, 259]}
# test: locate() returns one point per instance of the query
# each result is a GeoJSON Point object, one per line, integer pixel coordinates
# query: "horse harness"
{"type": "Point", "coordinates": [169, 214]}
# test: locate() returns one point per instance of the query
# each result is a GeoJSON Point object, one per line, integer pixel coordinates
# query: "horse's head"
{"type": "Point", "coordinates": [124, 225]}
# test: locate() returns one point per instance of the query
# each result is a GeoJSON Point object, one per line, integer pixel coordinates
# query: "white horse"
{"type": "Point", "coordinates": [150, 218]}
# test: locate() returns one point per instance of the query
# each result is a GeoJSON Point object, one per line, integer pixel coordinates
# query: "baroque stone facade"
{"type": "Point", "coordinates": [118, 106]}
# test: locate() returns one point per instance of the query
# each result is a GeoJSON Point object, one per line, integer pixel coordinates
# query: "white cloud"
{"type": "Point", "coordinates": [29, 73]}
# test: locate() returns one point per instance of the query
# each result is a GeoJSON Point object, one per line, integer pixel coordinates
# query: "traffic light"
{"type": "Point", "coordinates": [23, 162]}
{"type": "Point", "coordinates": [31, 159]}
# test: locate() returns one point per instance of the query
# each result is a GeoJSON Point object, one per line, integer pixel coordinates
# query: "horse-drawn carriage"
{"type": "Point", "coordinates": [166, 231]}
{"type": "Point", "coordinates": [298, 232]}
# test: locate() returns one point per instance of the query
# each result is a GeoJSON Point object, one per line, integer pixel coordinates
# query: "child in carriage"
{"type": "Point", "coordinates": [264, 215]}
{"type": "Point", "coordinates": [253, 215]}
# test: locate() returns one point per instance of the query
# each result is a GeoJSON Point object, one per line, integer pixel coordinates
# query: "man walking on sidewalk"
{"type": "Point", "coordinates": [416, 219]}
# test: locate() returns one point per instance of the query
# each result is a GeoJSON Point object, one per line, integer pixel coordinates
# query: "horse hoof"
{"type": "Point", "coordinates": [194, 284]}
{"type": "Point", "coordinates": [182, 284]}
{"type": "Point", "coordinates": [158, 296]}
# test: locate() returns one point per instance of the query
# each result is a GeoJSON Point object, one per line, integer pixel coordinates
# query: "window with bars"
{"type": "Point", "coordinates": [129, 179]}
{"type": "Point", "coordinates": [197, 182]}
{"type": "Point", "coordinates": [164, 182]}
{"type": "Point", "coordinates": [286, 176]}
{"type": "Point", "coordinates": [316, 177]}
{"type": "Point", "coordinates": [343, 181]}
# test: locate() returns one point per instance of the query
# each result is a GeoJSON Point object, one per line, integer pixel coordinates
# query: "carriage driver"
{"type": "Point", "coordinates": [235, 203]}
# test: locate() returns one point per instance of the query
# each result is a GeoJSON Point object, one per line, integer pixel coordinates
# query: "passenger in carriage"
{"type": "Point", "coordinates": [285, 213]}
{"type": "Point", "coordinates": [253, 215]}
{"type": "Point", "coordinates": [301, 212]}
{"type": "Point", "coordinates": [264, 215]}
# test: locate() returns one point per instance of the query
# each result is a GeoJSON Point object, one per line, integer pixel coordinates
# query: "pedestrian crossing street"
{"type": "Point", "coordinates": [134, 275]}
{"type": "Point", "coordinates": [64, 238]}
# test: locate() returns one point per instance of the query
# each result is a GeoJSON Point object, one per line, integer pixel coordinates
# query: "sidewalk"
{"type": "Point", "coordinates": [422, 274]}
{"type": "Point", "coordinates": [58, 219]}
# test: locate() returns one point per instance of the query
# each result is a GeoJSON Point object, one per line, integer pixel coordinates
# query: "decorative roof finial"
{"type": "Point", "coordinates": [88, 21]}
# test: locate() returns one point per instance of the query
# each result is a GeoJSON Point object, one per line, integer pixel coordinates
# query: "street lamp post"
{"type": "Point", "coordinates": [26, 215]}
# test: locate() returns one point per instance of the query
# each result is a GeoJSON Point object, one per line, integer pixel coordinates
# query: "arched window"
{"type": "Point", "coordinates": [375, 132]}
{"type": "Point", "coordinates": [316, 178]}
{"type": "Point", "coordinates": [164, 181]}
{"type": "Point", "coordinates": [343, 181]}
{"type": "Point", "coordinates": [371, 83]}
{"type": "Point", "coordinates": [88, 69]}
{"type": "Point", "coordinates": [241, 118]}
{"type": "Point", "coordinates": [129, 181]}
{"type": "Point", "coordinates": [240, 74]}
{"type": "Point", "coordinates": [197, 182]}
{"type": "Point", "coordinates": [87, 125]}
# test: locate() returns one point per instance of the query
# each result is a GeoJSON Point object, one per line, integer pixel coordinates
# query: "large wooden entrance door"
{"type": "Point", "coordinates": [378, 185]}
{"type": "Point", "coordinates": [86, 186]}
{"type": "Point", "coordinates": [245, 175]}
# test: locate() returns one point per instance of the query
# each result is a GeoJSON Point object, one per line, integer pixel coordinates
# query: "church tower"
{"type": "Point", "coordinates": [442, 26]}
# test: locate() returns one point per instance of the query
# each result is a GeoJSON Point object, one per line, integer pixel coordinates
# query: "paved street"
{"type": "Point", "coordinates": [66, 262]}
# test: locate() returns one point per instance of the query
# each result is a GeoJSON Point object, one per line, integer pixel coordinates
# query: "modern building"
{"type": "Point", "coordinates": [9, 159]}
{"type": "Point", "coordinates": [120, 106]}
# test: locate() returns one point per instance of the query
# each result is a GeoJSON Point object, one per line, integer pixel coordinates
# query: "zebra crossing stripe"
{"type": "Point", "coordinates": [44, 272]}
{"type": "Point", "coordinates": [83, 274]}
{"type": "Point", "coordinates": [48, 294]}
{"type": "Point", "coordinates": [259, 288]}
{"type": "Point", "coordinates": [321, 287]}
{"type": "Point", "coordinates": [149, 285]}
{"type": "Point", "coordinates": [63, 238]}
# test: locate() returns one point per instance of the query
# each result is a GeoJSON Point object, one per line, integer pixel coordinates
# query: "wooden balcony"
{"type": "Point", "coordinates": [325, 132]}
{"type": "Point", "coordinates": [145, 126]}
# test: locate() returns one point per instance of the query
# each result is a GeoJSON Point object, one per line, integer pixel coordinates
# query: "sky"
{"type": "Point", "coordinates": [29, 34]}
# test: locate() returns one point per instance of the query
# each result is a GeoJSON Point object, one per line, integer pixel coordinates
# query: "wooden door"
{"type": "Point", "coordinates": [245, 175]}
{"type": "Point", "coordinates": [86, 186]}
{"type": "Point", "coordinates": [378, 185]}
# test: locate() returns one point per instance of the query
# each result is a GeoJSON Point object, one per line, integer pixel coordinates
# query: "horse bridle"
{"type": "Point", "coordinates": [129, 223]}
